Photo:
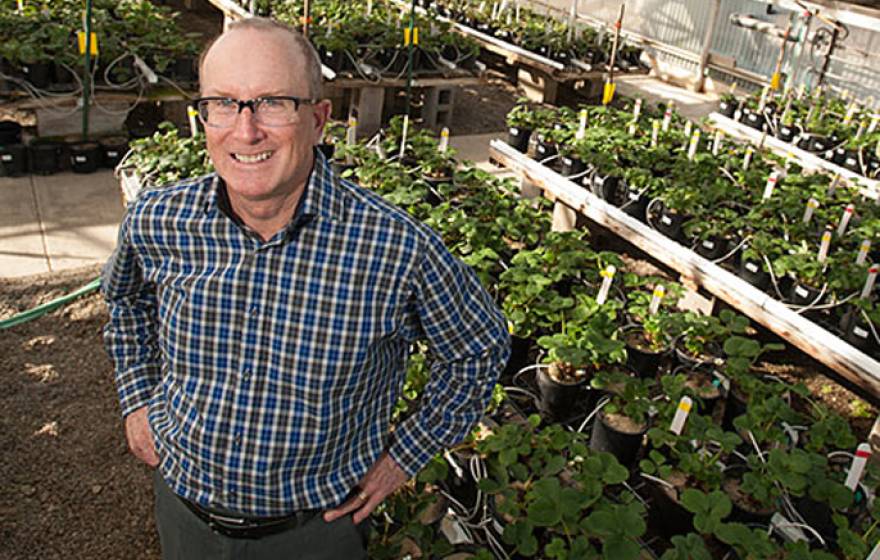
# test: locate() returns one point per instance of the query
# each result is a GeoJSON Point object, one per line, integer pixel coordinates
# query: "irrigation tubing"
{"type": "Point", "coordinates": [41, 310]}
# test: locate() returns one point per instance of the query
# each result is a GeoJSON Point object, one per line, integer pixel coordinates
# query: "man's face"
{"type": "Point", "coordinates": [247, 64]}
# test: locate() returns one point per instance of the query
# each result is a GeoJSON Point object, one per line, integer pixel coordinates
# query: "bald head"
{"type": "Point", "coordinates": [294, 48]}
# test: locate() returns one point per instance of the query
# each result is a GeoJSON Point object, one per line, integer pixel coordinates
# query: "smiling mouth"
{"type": "Point", "coordinates": [252, 158]}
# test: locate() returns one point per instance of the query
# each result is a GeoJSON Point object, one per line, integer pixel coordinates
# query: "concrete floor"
{"type": "Point", "coordinates": [56, 222]}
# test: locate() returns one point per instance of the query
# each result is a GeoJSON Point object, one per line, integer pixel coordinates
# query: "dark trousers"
{"type": "Point", "coordinates": [184, 536]}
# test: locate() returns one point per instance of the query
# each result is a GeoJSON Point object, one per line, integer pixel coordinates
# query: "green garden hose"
{"type": "Point", "coordinates": [41, 310]}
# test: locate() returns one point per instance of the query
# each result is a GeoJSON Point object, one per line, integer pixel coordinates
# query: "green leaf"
{"type": "Point", "coordinates": [620, 548]}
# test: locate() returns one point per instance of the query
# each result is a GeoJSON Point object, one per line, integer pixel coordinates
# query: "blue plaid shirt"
{"type": "Point", "coordinates": [271, 369]}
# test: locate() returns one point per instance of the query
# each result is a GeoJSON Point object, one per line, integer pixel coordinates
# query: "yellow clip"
{"type": "Point", "coordinates": [813, 203]}
{"type": "Point", "coordinates": [606, 273]}
{"type": "Point", "coordinates": [81, 38]}
{"type": "Point", "coordinates": [684, 405]}
{"type": "Point", "coordinates": [20, 5]}
{"type": "Point", "coordinates": [415, 35]}
{"type": "Point", "coordinates": [444, 133]}
{"type": "Point", "coordinates": [191, 111]}
{"type": "Point", "coordinates": [826, 236]}
{"type": "Point", "coordinates": [659, 291]}
{"type": "Point", "coordinates": [608, 92]}
{"type": "Point", "coordinates": [352, 122]}
{"type": "Point", "coordinates": [774, 81]}
{"type": "Point", "coordinates": [509, 327]}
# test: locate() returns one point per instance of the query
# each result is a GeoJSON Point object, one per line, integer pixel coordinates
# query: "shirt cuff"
{"type": "Point", "coordinates": [412, 447]}
{"type": "Point", "coordinates": [136, 393]}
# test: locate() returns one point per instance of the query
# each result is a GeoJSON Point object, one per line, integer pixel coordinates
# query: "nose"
{"type": "Point", "coordinates": [246, 128]}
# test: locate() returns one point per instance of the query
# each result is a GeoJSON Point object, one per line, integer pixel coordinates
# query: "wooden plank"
{"type": "Point", "coordinates": [837, 354]}
{"type": "Point", "coordinates": [807, 160]}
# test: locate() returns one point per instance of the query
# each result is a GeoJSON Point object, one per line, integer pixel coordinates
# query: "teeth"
{"type": "Point", "coordinates": [252, 158]}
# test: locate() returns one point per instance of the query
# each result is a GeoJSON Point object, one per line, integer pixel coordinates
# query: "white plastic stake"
{"type": "Point", "coordinates": [632, 128]}
{"type": "Point", "coordinates": [789, 159]}
{"type": "Point", "coordinates": [681, 414]}
{"type": "Point", "coordinates": [875, 554]}
{"type": "Point", "coordinates": [863, 452]}
{"type": "Point", "coordinates": [763, 139]}
{"type": "Point", "coordinates": [667, 117]}
{"type": "Point", "coordinates": [812, 204]}
{"type": "Point", "coordinates": [403, 135]}
{"type": "Point", "coordinates": [844, 220]}
{"type": "Point", "coordinates": [850, 112]}
{"type": "Point", "coordinates": [870, 281]}
{"type": "Point", "coordinates": [771, 184]}
{"type": "Point", "coordinates": [517, 12]}
{"type": "Point", "coordinates": [832, 187]}
{"type": "Point", "coordinates": [582, 125]}
{"type": "Point", "coordinates": [875, 120]}
{"type": "Point", "coordinates": [863, 125]}
{"type": "Point", "coordinates": [607, 279]}
{"type": "Point", "coordinates": [748, 157]}
{"type": "Point", "coordinates": [716, 142]}
{"type": "Point", "coordinates": [20, 6]}
{"type": "Point", "coordinates": [369, 7]}
{"type": "Point", "coordinates": [824, 246]}
{"type": "Point", "coordinates": [863, 252]}
{"type": "Point", "coordinates": [688, 127]}
{"type": "Point", "coordinates": [656, 299]}
{"type": "Point", "coordinates": [655, 133]}
{"type": "Point", "coordinates": [763, 101]}
{"type": "Point", "coordinates": [877, 149]}
{"type": "Point", "coordinates": [802, 89]}
{"type": "Point", "coordinates": [695, 141]}
{"type": "Point", "coordinates": [444, 141]}
{"type": "Point", "coordinates": [350, 138]}
{"type": "Point", "coordinates": [193, 125]}
{"type": "Point", "coordinates": [637, 109]}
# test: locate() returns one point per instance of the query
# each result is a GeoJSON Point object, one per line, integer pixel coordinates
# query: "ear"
{"type": "Point", "coordinates": [321, 112]}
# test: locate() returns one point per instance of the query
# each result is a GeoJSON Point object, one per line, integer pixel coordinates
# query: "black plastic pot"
{"type": "Point", "coordinates": [635, 204]}
{"type": "Point", "coordinates": [804, 294]}
{"type": "Point", "coordinates": [713, 247]}
{"type": "Point", "coordinates": [85, 157]}
{"type": "Point", "coordinates": [519, 356]}
{"type": "Point", "coordinates": [666, 514]}
{"type": "Point", "coordinates": [434, 198]}
{"type": "Point", "coordinates": [518, 138]}
{"type": "Point", "coordinates": [835, 156]}
{"type": "Point", "coordinates": [10, 132]}
{"type": "Point", "coordinates": [604, 186]}
{"type": "Point", "coordinates": [39, 74]}
{"type": "Point", "coordinates": [45, 157]}
{"type": "Point", "coordinates": [818, 516]}
{"type": "Point", "coordinates": [645, 363]}
{"type": "Point", "coordinates": [819, 144]}
{"type": "Point", "coordinates": [754, 119]}
{"type": "Point", "coordinates": [786, 133]}
{"type": "Point", "coordinates": [462, 488]}
{"type": "Point", "coordinates": [557, 399]}
{"type": "Point", "coordinates": [669, 223]}
{"type": "Point", "coordinates": [851, 162]}
{"type": "Point", "coordinates": [743, 515]}
{"type": "Point", "coordinates": [112, 151]}
{"type": "Point", "coordinates": [625, 446]}
{"type": "Point", "coordinates": [544, 149]}
{"type": "Point", "coordinates": [753, 273]}
{"type": "Point", "coordinates": [735, 405]}
{"type": "Point", "coordinates": [571, 165]}
{"type": "Point", "coordinates": [728, 109]}
{"type": "Point", "coordinates": [858, 332]}
{"type": "Point", "coordinates": [336, 61]}
{"type": "Point", "coordinates": [699, 381]}
{"type": "Point", "coordinates": [13, 160]}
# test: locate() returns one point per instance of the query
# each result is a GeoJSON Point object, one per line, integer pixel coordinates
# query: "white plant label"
{"type": "Point", "coordinates": [655, 133]}
{"type": "Point", "coordinates": [844, 220]}
{"type": "Point", "coordinates": [193, 125]}
{"type": "Point", "coordinates": [824, 246]}
{"type": "Point", "coordinates": [771, 184]}
{"type": "Point", "coordinates": [403, 135]}
{"type": "Point", "coordinates": [582, 125]}
{"type": "Point", "coordinates": [667, 118]}
{"type": "Point", "coordinates": [863, 452]}
{"type": "Point", "coordinates": [802, 89]}
{"type": "Point", "coordinates": [517, 12]}
{"type": "Point", "coordinates": [688, 127]}
{"type": "Point", "coordinates": [875, 554]}
{"type": "Point", "coordinates": [833, 186]}
{"type": "Point", "coordinates": [444, 141]}
{"type": "Point", "coordinates": [877, 149]}
{"type": "Point", "coordinates": [763, 101]}
{"type": "Point", "coordinates": [695, 141]}
{"type": "Point", "coordinates": [369, 7]}
{"type": "Point", "coordinates": [637, 109]}
{"type": "Point", "coordinates": [763, 139]}
{"type": "Point", "coordinates": [607, 279]}
{"type": "Point", "coordinates": [850, 112]}
{"type": "Point", "coordinates": [863, 252]}
{"type": "Point", "coordinates": [632, 128]}
{"type": "Point", "coordinates": [787, 111]}
{"type": "Point", "coordinates": [812, 204]}
{"type": "Point", "coordinates": [716, 142]}
{"type": "Point", "coordinates": [862, 126]}
{"type": "Point", "coordinates": [870, 281]}
{"type": "Point", "coordinates": [681, 414]}
{"type": "Point", "coordinates": [656, 299]}
{"type": "Point", "coordinates": [350, 138]}
{"type": "Point", "coordinates": [748, 157]}
{"type": "Point", "coordinates": [875, 120]}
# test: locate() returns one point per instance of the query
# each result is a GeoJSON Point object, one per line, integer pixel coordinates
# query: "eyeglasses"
{"type": "Point", "coordinates": [272, 110]}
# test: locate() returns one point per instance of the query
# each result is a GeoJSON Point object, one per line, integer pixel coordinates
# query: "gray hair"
{"type": "Point", "coordinates": [305, 47]}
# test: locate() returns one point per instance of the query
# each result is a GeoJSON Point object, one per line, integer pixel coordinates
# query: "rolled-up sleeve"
{"type": "Point", "coordinates": [468, 339]}
{"type": "Point", "coordinates": [130, 335]}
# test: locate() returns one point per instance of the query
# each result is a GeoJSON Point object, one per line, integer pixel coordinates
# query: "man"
{"type": "Point", "coordinates": [260, 320]}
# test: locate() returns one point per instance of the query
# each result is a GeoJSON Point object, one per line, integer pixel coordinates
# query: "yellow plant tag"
{"type": "Point", "coordinates": [774, 81]}
{"type": "Point", "coordinates": [608, 93]}
{"type": "Point", "coordinates": [81, 38]}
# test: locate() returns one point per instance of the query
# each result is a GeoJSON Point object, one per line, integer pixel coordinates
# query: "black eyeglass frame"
{"type": "Point", "coordinates": [252, 104]}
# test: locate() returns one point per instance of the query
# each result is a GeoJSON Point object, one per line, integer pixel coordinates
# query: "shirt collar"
{"type": "Point", "coordinates": [322, 196]}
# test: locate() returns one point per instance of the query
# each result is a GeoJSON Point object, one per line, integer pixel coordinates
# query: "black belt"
{"type": "Point", "coordinates": [241, 527]}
